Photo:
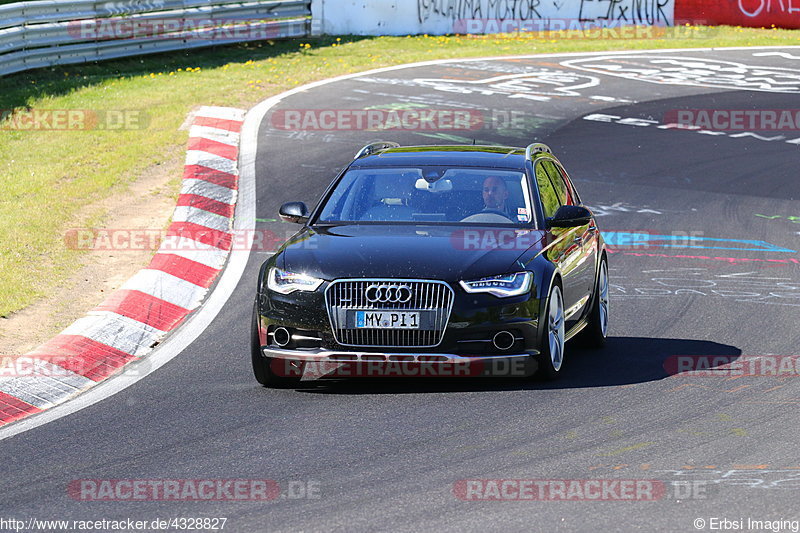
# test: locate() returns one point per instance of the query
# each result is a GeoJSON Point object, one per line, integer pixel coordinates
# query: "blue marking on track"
{"type": "Point", "coordinates": [624, 238]}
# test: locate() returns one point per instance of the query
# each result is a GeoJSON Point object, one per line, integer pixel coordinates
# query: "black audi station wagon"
{"type": "Point", "coordinates": [434, 257]}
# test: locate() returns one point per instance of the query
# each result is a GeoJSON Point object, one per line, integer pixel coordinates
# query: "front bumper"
{"type": "Point", "coordinates": [473, 321]}
{"type": "Point", "coordinates": [322, 362]}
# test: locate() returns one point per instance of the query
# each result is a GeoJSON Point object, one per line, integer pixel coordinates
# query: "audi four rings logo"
{"type": "Point", "coordinates": [397, 294]}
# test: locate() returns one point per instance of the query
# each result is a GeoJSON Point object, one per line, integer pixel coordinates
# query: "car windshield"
{"type": "Point", "coordinates": [430, 195]}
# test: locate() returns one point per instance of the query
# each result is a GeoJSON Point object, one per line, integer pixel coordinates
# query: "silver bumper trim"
{"type": "Point", "coordinates": [321, 354]}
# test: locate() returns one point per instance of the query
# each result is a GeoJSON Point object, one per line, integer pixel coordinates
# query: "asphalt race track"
{"type": "Point", "coordinates": [387, 454]}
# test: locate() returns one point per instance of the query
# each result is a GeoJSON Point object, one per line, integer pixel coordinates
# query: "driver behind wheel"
{"type": "Point", "coordinates": [495, 194]}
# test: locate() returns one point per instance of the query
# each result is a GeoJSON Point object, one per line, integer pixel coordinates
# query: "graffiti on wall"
{"type": "Point", "coordinates": [651, 12]}
{"type": "Point", "coordinates": [754, 8]}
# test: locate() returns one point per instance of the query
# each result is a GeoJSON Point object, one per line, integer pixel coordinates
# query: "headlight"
{"type": "Point", "coordinates": [286, 282]}
{"type": "Point", "coordinates": [501, 286]}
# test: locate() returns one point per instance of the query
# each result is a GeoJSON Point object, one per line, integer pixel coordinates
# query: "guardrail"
{"type": "Point", "coordinates": [59, 32]}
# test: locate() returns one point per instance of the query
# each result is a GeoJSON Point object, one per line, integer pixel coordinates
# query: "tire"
{"type": "Point", "coordinates": [262, 366]}
{"type": "Point", "coordinates": [551, 352]}
{"type": "Point", "coordinates": [596, 330]}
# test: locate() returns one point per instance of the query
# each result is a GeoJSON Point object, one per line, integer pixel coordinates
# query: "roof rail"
{"type": "Point", "coordinates": [536, 148]}
{"type": "Point", "coordinates": [371, 148]}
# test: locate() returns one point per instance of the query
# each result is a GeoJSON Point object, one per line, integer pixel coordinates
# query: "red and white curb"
{"type": "Point", "coordinates": [156, 300]}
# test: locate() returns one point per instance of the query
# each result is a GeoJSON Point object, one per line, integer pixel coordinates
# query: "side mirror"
{"type": "Point", "coordinates": [570, 216]}
{"type": "Point", "coordinates": [296, 212]}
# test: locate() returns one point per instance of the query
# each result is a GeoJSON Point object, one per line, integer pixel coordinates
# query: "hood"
{"type": "Point", "coordinates": [447, 253]}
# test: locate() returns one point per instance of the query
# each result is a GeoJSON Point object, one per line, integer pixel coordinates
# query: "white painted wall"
{"type": "Point", "coordinates": [436, 17]}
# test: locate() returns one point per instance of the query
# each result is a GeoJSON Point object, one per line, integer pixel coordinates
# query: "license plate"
{"type": "Point", "coordinates": [387, 320]}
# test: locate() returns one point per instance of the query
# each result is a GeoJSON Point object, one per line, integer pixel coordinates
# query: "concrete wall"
{"type": "Point", "coordinates": [436, 17]}
{"type": "Point", "coordinates": [402, 17]}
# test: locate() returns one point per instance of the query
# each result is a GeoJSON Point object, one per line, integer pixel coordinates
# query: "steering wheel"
{"type": "Point", "coordinates": [489, 210]}
{"type": "Point", "coordinates": [490, 216]}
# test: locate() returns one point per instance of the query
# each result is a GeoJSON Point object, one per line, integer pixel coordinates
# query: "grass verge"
{"type": "Point", "coordinates": [50, 179]}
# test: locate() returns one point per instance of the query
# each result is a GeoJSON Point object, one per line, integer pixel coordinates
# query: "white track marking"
{"type": "Point", "coordinates": [778, 54]}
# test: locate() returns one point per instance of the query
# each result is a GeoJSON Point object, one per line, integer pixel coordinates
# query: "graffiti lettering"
{"type": "Point", "coordinates": [741, 287]}
{"type": "Point", "coordinates": [473, 9]}
{"type": "Point", "coordinates": [643, 123]}
{"type": "Point", "coordinates": [649, 12]}
{"type": "Point", "coordinates": [755, 478]}
{"type": "Point", "coordinates": [694, 72]}
{"type": "Point", "coordinates": [794, 220]}
{"type": "Point", "coordinates": [541, 85]}
{"type": "Point", "coordinates": [729, 260]}
{"type": "Point", "coordinates": [601, 210]}
{"type": "Point", "coordinates": [752, 8]}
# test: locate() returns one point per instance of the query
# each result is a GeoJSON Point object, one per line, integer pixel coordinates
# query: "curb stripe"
{"type": "Point", "coordinates": [216, 192]}
{"type": "Point", "coordinates": [156, 300]}
{"type": "Point", "coordinates": [213, 237]}
{"type": "Point", "coordinates": [185, 269]}
{"type": "Point", "coordinates": [210, 175]}
{"type": "Point", "coordinates": [216, 134]}
{"type": "Point", "coordinates": [45, 391]}
{"type": "Point", "coordinates": [206, 204]}
{"type": "Point", "coordinates": [218, 123]}
{"type": "Point", "coordinates": [204, 159]}
{"type": "Point", "coordinates": [222, 113]}
{"type": "Point", "coordinates": [83, 356]}
{"type": "Point", "coordinates": [12, 408]}
{"type": "Point", "coordinates": [145, 308]}
{"type": "Point", "coordinates": [119, 332]}
{"type": "Point", "coordinates": [166, 287]}
{"type": "Point", "coordinates": [205, 254]}
{"type": "Point", "coordinates": [202, 218]}
{"type": "Point", "coordinates": [213, 147]}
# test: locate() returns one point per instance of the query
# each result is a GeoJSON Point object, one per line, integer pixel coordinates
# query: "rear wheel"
{"type": "Point", "coordinates": [262, 366]}
{"type": "Point", "coordinates": [551, 353]}
{"type": "Point", "coordinates": [596, 330]}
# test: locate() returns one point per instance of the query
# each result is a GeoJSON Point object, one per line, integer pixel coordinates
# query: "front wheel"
{"type": "Point", "coordinates": [262, 366]}
{"type": "Point", "coordinates": [596, 330]}
{"type": "Point", "coordinates": [551, 353]}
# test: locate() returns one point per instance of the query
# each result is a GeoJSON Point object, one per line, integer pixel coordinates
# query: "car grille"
{"type": "Point", "coordinates": [434, 298]}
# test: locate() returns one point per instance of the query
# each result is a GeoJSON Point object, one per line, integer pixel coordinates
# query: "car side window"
{"type": "Point", "coordinates": [575, 196]}
{"type": "Point", "coordinates": [563, 190]}
{"type": "Point", "coordinates": [550, 201]}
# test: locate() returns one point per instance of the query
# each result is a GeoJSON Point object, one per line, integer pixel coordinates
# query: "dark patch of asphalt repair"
{"type": "Point", "coordinates": [385, 454]}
